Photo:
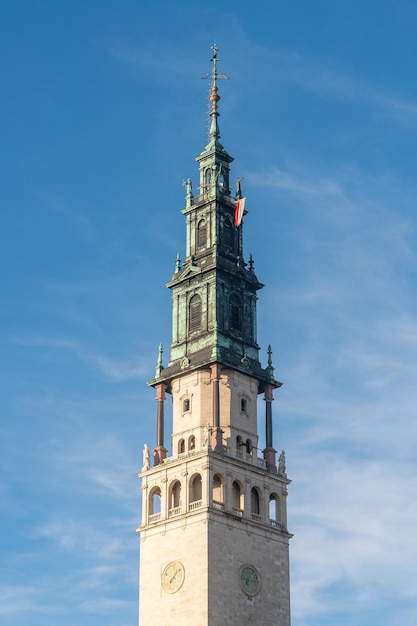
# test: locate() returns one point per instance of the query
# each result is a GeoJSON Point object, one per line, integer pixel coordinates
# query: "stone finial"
{"type": "Point", "coordinates": [270, 368]}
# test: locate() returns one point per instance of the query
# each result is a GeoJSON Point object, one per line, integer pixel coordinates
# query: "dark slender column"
{"type": "Point", "coordinates": [268, 415]}
{"type": "Point", "coordinates": [217, 441]}
{"type": "Point", "coordinates": [160, 452]}
{"type": "Point", "coordinates": [269, 452]}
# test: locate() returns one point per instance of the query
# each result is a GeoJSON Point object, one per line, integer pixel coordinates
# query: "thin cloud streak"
{"type": "Point", "coordinates": [114, 370]}
{"type": "Point", "coordinates": [78, 219]}
{"type": "Point", "coordinates": [161, 64]}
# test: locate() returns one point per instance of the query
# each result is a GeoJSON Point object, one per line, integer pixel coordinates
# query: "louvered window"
{"type": "Point", "coordinates": [195, 314]}
{"type": "Point", "coordinates": [201, 234]}
{"type": "Point", "coordinates": [235, 314]}
{"type": "Point", "coordinates": [228, 235]}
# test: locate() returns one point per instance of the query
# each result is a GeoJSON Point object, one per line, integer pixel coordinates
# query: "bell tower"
{"type": "Point", "coordinates": [214, 538]}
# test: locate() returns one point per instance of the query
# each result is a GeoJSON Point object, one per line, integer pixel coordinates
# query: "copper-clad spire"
{"type": "Point", "coordinates": [214, 97]}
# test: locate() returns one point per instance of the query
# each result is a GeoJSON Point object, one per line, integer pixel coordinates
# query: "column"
{"type": "Point", "coordinates": [269, 452]}
{"type": "Point", "coordinates": [160, 452]}
{"type": "Point", "coordinates": [217, 433]}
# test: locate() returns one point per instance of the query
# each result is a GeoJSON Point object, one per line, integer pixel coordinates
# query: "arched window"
{"type": "Point", "coordinates": [237, 498]}
{"type": "Point", "coordinates": [243, 405]}
{"type": "Point", "coordinates": [228, 235]}
{"type": "Point", "coordinates": [194, 320]}
{"type": "Point", "coordinates": [254, 501]}
{"type": "Point", "coordinates": [218, 489]}
{"type": "Point", "coordinates": [235, 311]}
{"type": "Point", "coordinates": [181, 446]}
{"type": "Point", "coordinates": [155, 501]}
{"type": "Point", "coordinates": [274, 509]}
{"type": "Point", "coordinates": [239, 442]}
{"type": "Point", "coordinates": [186, 405]}
{"type": "Point", "coordinates": [191, 443]}
{"type": "Point", "coordinates": [175, 495]}
{"type": "Point", "coordinates": [201, 234]}
{"type": "Point", "coordinates": [196, 488]}
{"type": "Point", "coordinates": [207, 177]}
{"type": "Point", "coordinates": [249, 446]}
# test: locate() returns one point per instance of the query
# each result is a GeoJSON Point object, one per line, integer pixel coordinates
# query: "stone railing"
{"type": "Point", "coordinates": [237, 511]}
{"type": "Point", "coordinates": [175, 511]}
{"type": "Point", "coordinates": [195, 505]}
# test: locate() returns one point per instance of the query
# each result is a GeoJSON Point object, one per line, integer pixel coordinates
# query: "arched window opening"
{"type": "Point", "coordinates": [228, 235]}
{"type": "Point", "coordinates": [273, 508]}
{"type": "Point", "coordinates": [194, 322]}
{"type": "Point", "coordinates": [249, 446]}
{"type": "Point", "coordinates": [186, 405]}
{"type": "Point", "coordinates": [218, 489]}
{"type": "Point", "coordinates": [207, 177]}
{"type": "Point", "coordinates": [181, 446]}
{"type": "Point", "coordinates": [243, 405]}
{"type": "Point", "coordinates": [239, 442]}
{"type": "Point", "coordinates": [175, 495]}
{"type": "Point", "coordinates": [155, 501]}
{"type": "Point", "coordinates": [235, 313]}
{"type": "Point", "coordinates": [196, 488]}
{"type": "Point", "coordinates": [237, 498]}
{"type": "Point", "coordinates": [254, 501]}
{"type": "Point", "coordinates": [191, 443]}
{"type": "Point", "coordinates": [201, 234]}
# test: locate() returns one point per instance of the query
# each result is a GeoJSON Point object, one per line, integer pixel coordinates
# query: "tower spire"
{"type": "Point", "coordinates": [214, 132]}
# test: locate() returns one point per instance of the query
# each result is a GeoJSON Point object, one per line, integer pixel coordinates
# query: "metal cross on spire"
{"type": "Point", "coordinates": [214, 73]}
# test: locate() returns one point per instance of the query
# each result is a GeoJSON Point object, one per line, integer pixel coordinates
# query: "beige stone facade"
{"type": "Point", "coordinates": [234, 516]}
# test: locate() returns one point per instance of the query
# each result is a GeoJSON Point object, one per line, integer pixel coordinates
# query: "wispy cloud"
{"type": "Point", "coordinates": [325, 79]}
{"type": "Point", "coordinates": [344, 532]}
{"type": "Point", "coordinates": [77, 218]}
{"type": "Point", "coordinates": [161, 63]}
{"type": "Point", "coordinates": [277, 178]}
{"type": "Point", "coordinates": [115, 370]}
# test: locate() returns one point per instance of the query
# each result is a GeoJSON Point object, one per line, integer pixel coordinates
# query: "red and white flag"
{"type": "Point", "coordinates": [240, 208]}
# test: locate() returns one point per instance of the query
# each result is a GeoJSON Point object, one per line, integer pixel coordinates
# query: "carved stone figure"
{"type": "Point", "coordinates": [188, 184]}
{"type": "Point", "coordinates": [146, 458]}
{"type": "Point", "coordinates": [281, 464]}
{"type": "Point", "coordinates": [238, 189]}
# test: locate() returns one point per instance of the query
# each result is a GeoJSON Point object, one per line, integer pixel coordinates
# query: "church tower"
{"type": "Point", "coordinates": [214, 538]}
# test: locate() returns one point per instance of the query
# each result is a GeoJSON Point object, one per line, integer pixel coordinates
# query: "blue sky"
{"type": "Point", "coordinates": [103, 112]}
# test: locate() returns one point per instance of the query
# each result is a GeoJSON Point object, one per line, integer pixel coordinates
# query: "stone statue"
{"type": "Point", "coordinates": [238, 189]}
{"type": "Point", "coordinates": [188, 184]}
{"type": "Point", "coordinates": [146, 458]}
{"type": "Point", "coordinates": [206, 436]}
{"type": "Point", "coordinates": [189, 191]}
{"type": "Point", "coordinates": [281, 464]}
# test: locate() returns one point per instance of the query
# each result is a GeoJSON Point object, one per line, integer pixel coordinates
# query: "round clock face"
{"type": "Point", "coordinates": [249, 580]}
{"type": "Point", "coordinates": [173, 576]}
